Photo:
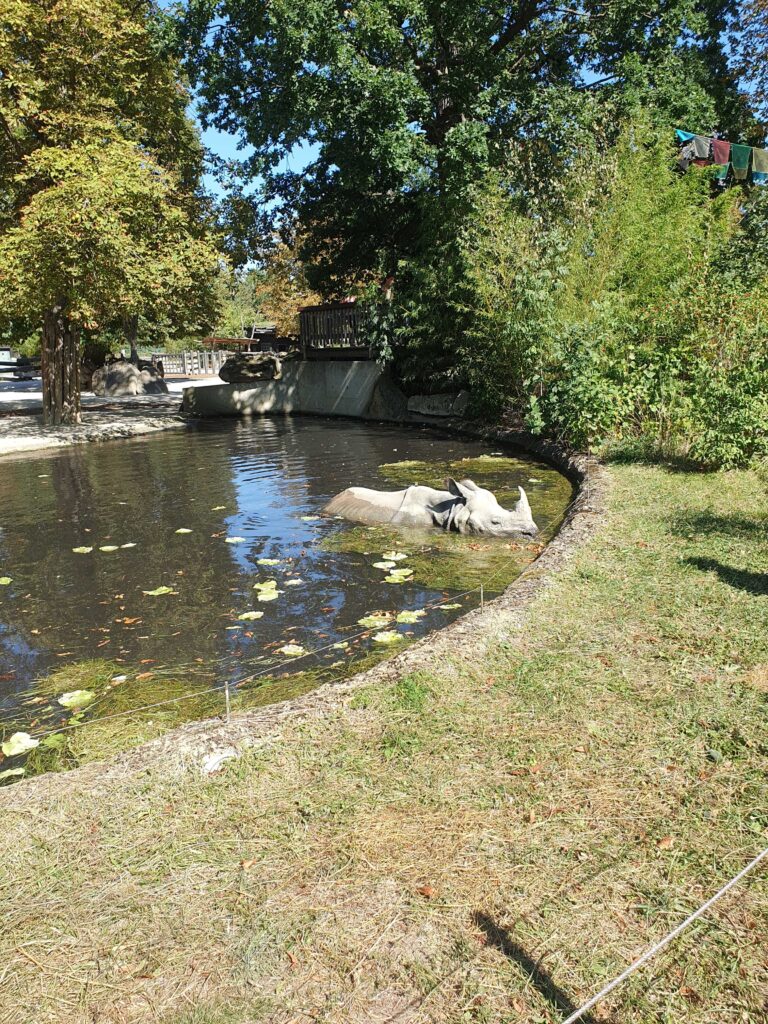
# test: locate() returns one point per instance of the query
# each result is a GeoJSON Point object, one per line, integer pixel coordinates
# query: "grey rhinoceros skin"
{"type": "Point", "coordinates": [463, 507]}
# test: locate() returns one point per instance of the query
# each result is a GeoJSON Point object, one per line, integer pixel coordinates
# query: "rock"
{"type": "Point", "coordinates": [438, 405]}
{"type": "Point", "coordinates": [387, 401]}
{"type": "Point", "coordinates": [250, 366]}
{"type": "Point", "coordinates": [123, 378]}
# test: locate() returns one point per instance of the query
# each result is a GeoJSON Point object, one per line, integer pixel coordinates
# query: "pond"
{"type": "Point", "coordinates": [150, 571]}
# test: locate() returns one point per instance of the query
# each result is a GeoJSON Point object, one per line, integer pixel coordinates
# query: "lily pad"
{"type": "Point", "coordinates": [268, 595]}
{"type": "Point", "coordinates": [109, 547]}
{"type": "Point", "coordinates": [250, 616]}
{"type": "Point", "coordinates": [410, 617]}
{"type": "Point", "coordinates": [159, 591]}
{"type": "Point", "coordinates": [384, 565]}
{"type": "Point", "coordinates": [234, 540]}
{"type": "Point", "coordinates": [387, 636]}
{"type": "Point", "coordinates": [267, 561]}
{"type": "Point", "coordinates": [5, 580]}
{"type": "Point", "coordinates": [19, 743]}
{"type": "Point", "coordinates": [183, 529]}
{"type": "Point", "coordinates": [394, 556]}
{"type": "Point", "coordinates": [292, 650]}
{"type": "Point", "coordinates": [266, 585]}
{"type": "Point", "coordinates": [396, 579]}
{"type": "Point", "coordinates": [83, 550]}
{"type": "Point", "coordinates": [449, 607]}
{"type": "Point", "coordinates": [76, 698]}
{"type": "Point", "coordinates": [10, 773]}
{"type": "Point", "coordinates": [374, 620]}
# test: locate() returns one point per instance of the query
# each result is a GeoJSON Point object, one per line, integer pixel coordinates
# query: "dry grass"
{"type": "Point", "coordinates": [486, 841]}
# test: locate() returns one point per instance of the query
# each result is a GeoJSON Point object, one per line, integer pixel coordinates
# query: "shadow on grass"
{"type": "Point", "coordinates": [538, 977]}
{"type": "Point", "coordinates": [739, 579]}
{"type": "Point", "coordinates": [710, 524]}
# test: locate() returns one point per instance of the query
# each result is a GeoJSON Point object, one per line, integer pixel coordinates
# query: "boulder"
{"type": "Point", "coordinates": [250, 366]}
{"type": "Point", "coordinates": [122, 378]}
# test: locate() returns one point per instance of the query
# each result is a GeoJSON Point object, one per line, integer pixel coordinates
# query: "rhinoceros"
{"type": "Point", "coordinates": [463, 507]}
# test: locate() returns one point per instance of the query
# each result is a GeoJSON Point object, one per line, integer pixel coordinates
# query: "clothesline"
{"type": "Point", "coordinates": [704, 150]}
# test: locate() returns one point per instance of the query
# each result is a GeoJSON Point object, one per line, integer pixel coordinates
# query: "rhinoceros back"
{"type": "Point", "coordinates": [362, 505]}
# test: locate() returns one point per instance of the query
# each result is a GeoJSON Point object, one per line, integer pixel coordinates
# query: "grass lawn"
{"type": "Point", "coordinates": [491, 839]}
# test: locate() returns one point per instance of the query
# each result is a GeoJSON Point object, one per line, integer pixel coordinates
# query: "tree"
{"type": "Point", "coordinates": [408, 105]}
{"type": "Point", "coordinates": [101, 218]}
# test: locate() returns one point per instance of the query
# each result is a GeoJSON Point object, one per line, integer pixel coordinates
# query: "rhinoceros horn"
{"type": "Point", "coordinates": [522, 506]}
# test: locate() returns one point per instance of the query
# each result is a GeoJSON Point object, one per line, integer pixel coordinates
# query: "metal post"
{"type": "Point", "coordinates": [226, 697]}
{"type": "Point", "coordinates": [482, 597]}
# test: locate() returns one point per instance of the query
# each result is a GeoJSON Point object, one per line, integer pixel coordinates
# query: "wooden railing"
{"type": "Point", "coordinates": [198, 363]}
{"type": "Point", "coordinates": [333, 325]}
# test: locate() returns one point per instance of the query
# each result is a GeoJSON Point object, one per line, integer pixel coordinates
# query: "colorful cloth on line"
{"type": "Point", "coordinates": [759, 162]}
{"type": "Point", "coordinates": [721, 151]}
{"type": "Point", "coordinates": [740, 161]}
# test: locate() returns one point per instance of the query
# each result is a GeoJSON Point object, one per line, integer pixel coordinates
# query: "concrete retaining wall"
{"type": "Point", "coordinates": [343, 388]}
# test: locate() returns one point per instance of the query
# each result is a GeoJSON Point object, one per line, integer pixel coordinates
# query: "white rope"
{"type": "Point", "coordinates": [665, 941]}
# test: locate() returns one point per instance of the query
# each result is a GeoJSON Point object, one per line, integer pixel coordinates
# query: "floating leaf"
{"type": "Point", "coordinates": [309, 519]}
{"type": "Point", "coordinates": [76, 698]}
{"type": "Point", "coordinates": [449, 607]}
{"type": "Point", "coordinates": [410, 617]}
{"type": "Point", "coordinates": [19, 743]}
{"type": "Point", "coordinates": [402, 572]}
{"type": "Point", "coordinates": [267, 561]}
{"type": "Point", "coordinates": [183, 529]}
{"type": "Point", "coordinates": [268, 595]}
{"type": "Point", "coordinates": [394, 556]}
{"type": "Point", "coordinates": [342, 645]}
{"type": "Point", "coordinates": [384, 565]}
{"type": "Point", "coordinates": [292, 650]}
{"type": "Point", "coordinates": [82, 551]}
{"type": "Point", "coordinates": [5, 580]}
{"type": "Point", "coordinates": [250, 616]}
{"type": "Point", "coordinates": [375, 620]}
{"type": "Point", "coordinates": [534, 480]}
{"type": "Point", "coordinates": [130, 544]}
{"type": "Point", "coordinates": [387, 636]}
{"type": "Point", "coordinates": [218, 508]}
{"type": "Point", "coordinates": [234, 540]}
{"type": "Point", "coordinates": [158, 591]}
{"type": "Point", "coordinates": [395, 579]}
{"type": "Point", "coordinates": [10, 773]}
{"type": "Point", "coordinates": [265, 585]}
{"type": "Point", "coordinates": [109, 547]}
{"type": "Point", "coordinates": [294, 583]}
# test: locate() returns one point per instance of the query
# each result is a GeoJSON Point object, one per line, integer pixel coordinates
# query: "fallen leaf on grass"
{"type": "Point", "coordinates": [246, 865]}
{"type": "Point", "coordinates": [183, 529]}
{"type": "Point", "coordinates": [5, 580]}
{"type": "Point", "coordinates": [666, 843]}
{"type": "Point", "coordinates": [109, 547]}
{"type": "Point", "coordinates": [158, 591]}
{"type": "Point", "coordinates": [427, 891]}
{"type": "Point", "coordinates": [250, 616]}
{"type": "Point", "coordinates": [145, 675]}
{"type": "Point", "coordinates": [76, 698]}
{"type": "Point", "coordinates": [83, 550]}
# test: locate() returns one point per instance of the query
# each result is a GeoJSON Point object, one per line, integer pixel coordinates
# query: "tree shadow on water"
{"type": "Point", "coordinates": [538, 977]}
{"type": "Point", "coordinates": [740, 579]}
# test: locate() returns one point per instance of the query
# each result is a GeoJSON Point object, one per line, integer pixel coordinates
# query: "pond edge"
{"type": "Point", "coordinates": [196, 744]}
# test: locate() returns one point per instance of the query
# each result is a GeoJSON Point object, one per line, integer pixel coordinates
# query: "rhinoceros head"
{"type": "Point", "coordinates": [479, 512]}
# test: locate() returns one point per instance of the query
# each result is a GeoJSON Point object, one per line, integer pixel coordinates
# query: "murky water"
{"type": "Point", "coordinates": [245, 493]}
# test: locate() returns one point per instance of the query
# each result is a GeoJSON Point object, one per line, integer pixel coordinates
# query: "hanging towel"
{"type": "Point", "coordinates": [759, 161]}
{"type": "Point", "coordinates": [683, 136]}
{"type": "Point", "coordinates": [701, 147]}
{"type": "Point", "coordinates": [759, 177]}
{"type": "Point", "coordinates": [740, 160]}
{"type": "Point", "coordinates": [721, 151]}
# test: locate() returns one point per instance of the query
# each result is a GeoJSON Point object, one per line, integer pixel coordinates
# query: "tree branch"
{"type": "Point", "coordinates": [515, 25]}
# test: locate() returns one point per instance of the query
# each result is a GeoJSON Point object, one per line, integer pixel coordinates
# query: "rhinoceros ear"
{"type": "Point", "coordinates": [459, 490]}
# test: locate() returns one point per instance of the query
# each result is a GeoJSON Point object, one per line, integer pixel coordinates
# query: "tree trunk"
{"type": "Point", "coordinates": [60, 368]}
{"type": "Point", "coordinates": [131, 330]}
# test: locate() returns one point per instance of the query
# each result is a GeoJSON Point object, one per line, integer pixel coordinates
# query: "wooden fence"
{"type": "Point", "coordinates": [202, 363]}
{"type": "Point", "coordinates": [331, 326]}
